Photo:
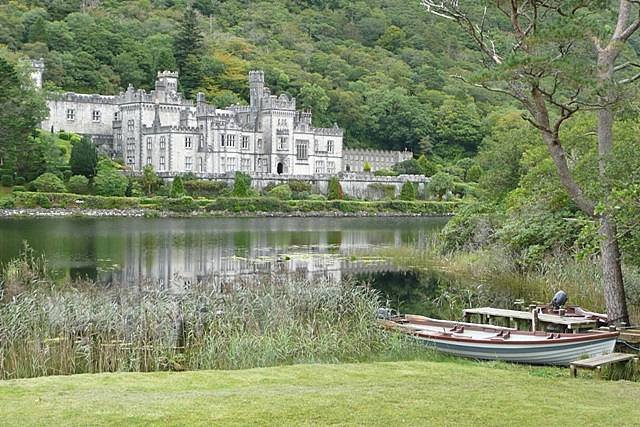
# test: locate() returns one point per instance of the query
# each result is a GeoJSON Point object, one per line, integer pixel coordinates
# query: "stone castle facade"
{"type": "Point", "coordinates": [174, 135]}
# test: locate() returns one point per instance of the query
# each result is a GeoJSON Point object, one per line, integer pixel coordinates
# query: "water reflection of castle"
{"type": "Point", "coordinates": [322, 254]}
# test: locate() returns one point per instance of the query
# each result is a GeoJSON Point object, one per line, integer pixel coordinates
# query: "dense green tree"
{"type": "Point", "coordinates": [409, 166]}
{"type": "Point", "coordinates": [84, 157]}
{"type": "Point", "coordinates": [188, 50]}
{"type": "Point", "coordinates": [440, 185]}
{"type": "Point", "coordinates": [553, 64]}
{"type": "Point", "coordinates": [21, 110]}
{"type": "Point", "coordinates": [150, 181]}
{"type": "Point", "coordinates": [458, 129]}
{"type": "Point", "coordinates": [109, 181]}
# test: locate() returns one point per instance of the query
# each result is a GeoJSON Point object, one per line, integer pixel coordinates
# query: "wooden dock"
{"type": "Point", "coordinates": [534, 320]}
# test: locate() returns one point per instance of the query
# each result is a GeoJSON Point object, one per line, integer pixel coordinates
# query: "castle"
{"type": "Point", "coordinates": [162, 129]}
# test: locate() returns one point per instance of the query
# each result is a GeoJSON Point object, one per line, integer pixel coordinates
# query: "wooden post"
{"type": "Point", "coordinates": [534, 320]}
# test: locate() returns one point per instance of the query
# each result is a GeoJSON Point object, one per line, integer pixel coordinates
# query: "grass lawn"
{"type": "Point", "coordinates": [420, 393]}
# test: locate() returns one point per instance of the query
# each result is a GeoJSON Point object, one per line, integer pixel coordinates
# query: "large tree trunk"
{"type": "Point", "coordinates": [612, 281]}
{"type": "Point", "coordinates": [614, 293]}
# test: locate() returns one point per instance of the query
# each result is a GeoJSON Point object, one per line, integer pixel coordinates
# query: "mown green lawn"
{"type": "Point", "coordinates": [423, 393]}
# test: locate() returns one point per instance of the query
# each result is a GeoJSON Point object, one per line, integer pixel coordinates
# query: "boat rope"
{"type": "Point", "coordinates": [629, 345]}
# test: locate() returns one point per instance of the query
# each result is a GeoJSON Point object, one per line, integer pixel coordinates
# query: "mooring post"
{"type": "Point", "coordinates": [534, 320]}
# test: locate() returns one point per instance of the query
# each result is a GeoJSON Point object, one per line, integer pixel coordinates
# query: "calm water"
{"type": "Point", "coordinates": [174, 251]}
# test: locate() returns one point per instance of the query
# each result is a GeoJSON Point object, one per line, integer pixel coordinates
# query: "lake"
{"type": "Point", "coordinates": [175, 251]}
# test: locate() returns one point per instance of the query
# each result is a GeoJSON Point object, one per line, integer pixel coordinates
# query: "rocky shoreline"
{"type": "Point", "coordinates": [153, 213]}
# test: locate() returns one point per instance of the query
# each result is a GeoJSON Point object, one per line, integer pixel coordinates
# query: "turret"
{"type": "Point", "coordinates": [256, 88]}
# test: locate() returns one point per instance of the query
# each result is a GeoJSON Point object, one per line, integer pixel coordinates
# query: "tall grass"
{"type": "Point", "coordinates": [481, 278]}
{"type": "Point", "coordinates": [83, 327]}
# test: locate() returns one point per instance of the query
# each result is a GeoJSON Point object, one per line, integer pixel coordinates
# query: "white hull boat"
{"type": "Point", "coordinates": [488, 342]}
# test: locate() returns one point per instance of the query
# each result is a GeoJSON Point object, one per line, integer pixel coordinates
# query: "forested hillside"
{"type": "Point", "coordinates": [380, 69]}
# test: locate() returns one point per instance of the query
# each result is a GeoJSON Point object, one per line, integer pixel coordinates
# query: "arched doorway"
{"type": "Point", "coordinates": [280, 168]}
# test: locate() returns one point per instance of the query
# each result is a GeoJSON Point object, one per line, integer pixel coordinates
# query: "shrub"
{"type": "Point", "coordinates": [19, 180]}
{"type": "Point", "coordinates": [43, 201]}
{"type": "Point", "coordinates": [208, 189]}
{"type": "Point", "coordinates": [298, 186]}
{"type": "Point", "coordinates": [109, 181]}
{"type": "Point", "coordinates": [78, 184]}
{"type": "Point", "coordinates": [177, 188]}
{"type": "Point", "coordinates": [241, 185]}
{"type": "Point", "coordinates": [7, 180]}
{"type": "Point", "coordinates": [282, 192]}
{"type": "Point", "coordinates": [7, 202]}
{"type": "Point", "coordinates": [49, 183]}
{"type": "Point", "coordinates": [19, 188]}
{"type": "Point", "coordinates": [408, 191]}
{"type": "Point", "coordinates": [385, 172]}
{"type": "Point", "coordinates": [335, 189]}
{"type": "Point", "coordinates": [182, 204]}
{"type": "Point", "coordinates": [474, 173]}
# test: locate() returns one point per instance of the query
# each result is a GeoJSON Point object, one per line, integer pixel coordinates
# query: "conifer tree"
{"type": "Point", "coordinates": [188, 49]}
{"type": "Point", "coordinates": [335, 190]}
{"type": "Point", "coordinates": [177, 187]}
{"type": "Point", "coordinates": [408, 191]}
{"type": "Point", "coordinates": [84, 157]}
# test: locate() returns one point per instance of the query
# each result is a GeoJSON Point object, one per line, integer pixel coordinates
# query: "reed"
{"type": "Point", "coordinates": [83, 327]}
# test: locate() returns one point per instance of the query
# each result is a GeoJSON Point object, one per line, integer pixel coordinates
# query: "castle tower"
{"type": "Point", "coordinates": [167, 81]}
{"type": "Point", "coordinates": [36, 74]}
{"type": "Point", "coordinates": [256, 88]}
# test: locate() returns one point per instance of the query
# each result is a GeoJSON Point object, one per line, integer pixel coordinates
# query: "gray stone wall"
{"type": "Point", "coordinates": [354, 159]}
{"type": "Point", "coordinates": [357, 185]}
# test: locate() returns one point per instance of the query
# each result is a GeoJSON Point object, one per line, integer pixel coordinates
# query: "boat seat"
{"type": "Point", "coordinates": [502, 335]}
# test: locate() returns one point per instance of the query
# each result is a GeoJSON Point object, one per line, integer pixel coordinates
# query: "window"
{"type": "Point", "coordinates": [320, 166]}
{"type": "Point", "coordinates": [331, 167]}
{"type": "Point", "coordinates": [148, 160]}
{"type": "Point", "coordinates": [259, 144]}
{"type": "Point", "coordinates": [231, 164]}
{"type": "Point", "coordinates": [162, 164]}
{"type": "Point", "coordinates": [282, 142]}
{"type": "Point", "coordinates": [96, 116]}
{"type": "Point", "coordinates": [187, 142]}
{"type": "Point", "coordinates": [187, 163]}
{"type": "Point", "coordinates": [329, 146]}
{"type": "Point", "coordinates": [227, 140]}
{"type": "Point", "coordinates": [259, 165]}
{"type": "Point", "coordinates": [162, 142]}
{"type": "Point", "coordinates": [245, 143]}
{"type": "Point", "coordinates": [130, 125]}
{"type": "Point", "coordinates": [148, 143]}
{"type": "Point", "coordinates": [71, 114]}
{"type": "Point", "coordinates": [245, 165]}
{"type": "Point", "coordinates": [227, 164]}
{"type": "Point", "coordinates": [200, 164]}
{"type": "Point", "coordinates": [302, 148]}
{"type": "Point", "coordinates": [116, 115]}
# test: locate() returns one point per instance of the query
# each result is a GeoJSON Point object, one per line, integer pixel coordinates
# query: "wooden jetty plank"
{"type": "Point", "coordinates": [568, 323]}
{"type": "Point", "coordinates": [597, 362]}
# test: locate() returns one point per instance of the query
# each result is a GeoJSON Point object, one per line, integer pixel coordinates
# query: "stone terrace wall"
{"type": "Point", "coordinates": [359, 185]}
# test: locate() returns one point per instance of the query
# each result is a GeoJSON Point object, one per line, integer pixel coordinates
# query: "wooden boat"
{"type": "Point", "coordinates": [489, 342]}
